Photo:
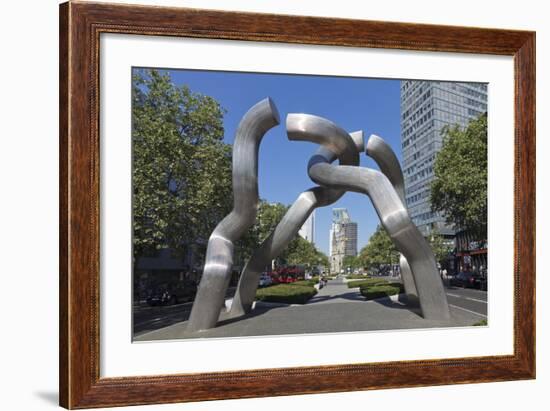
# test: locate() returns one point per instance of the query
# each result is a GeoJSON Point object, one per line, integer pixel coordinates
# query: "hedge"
{"type": "Point", "coordinates": [356, 276]}
{"type": "Point", "coordinates": [306, 283]}
{"type": "Point", "coordinates": [382, 290]}
{"type": "Point", "coordinates": [286, 293]}
{"type": "Point", "coordinates": [366, 282]}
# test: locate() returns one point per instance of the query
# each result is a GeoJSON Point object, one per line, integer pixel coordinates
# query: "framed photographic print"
{"type": "Point", "coordinates": [249, 201]}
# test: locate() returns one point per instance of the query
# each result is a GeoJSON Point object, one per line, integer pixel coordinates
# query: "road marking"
{"type": "Point", "coordinates": [467, 298]}
{"type": "Point", "coordinates": [475, 299]}
{"type": "Point", "coordinates": [149, 322]}
{"type": "Point", "coordinates": [454, 295]}
{"type": "Point", "coordinates": [464, 309]}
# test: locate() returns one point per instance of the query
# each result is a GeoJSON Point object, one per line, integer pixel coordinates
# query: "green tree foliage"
{"type": "Point", "coordinates": [323, 259]}
{"type": "Point", "coordinates": [181, 166]}
{"type": "Point", "coordinates": [440, 247]}
{"type": "Point", "coordinates": [298, 251]}
{"type": "Point", "coordinates": [352, 261]}
{"type": "Point", "coordinates": [459, 188]}
{"type": "Point", "coordinates": [379, 250]}
{"type": "Point", "coordinates": [269, 215]}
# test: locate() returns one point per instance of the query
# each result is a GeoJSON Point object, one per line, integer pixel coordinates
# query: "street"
{"type": "Point", "coordinates": [468, 299]}
{"type": "Point", "coordinates": [146, 318]}
{"type": "Point", "coordinates": [152, 318]}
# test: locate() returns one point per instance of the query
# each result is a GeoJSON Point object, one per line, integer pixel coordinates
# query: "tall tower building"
{"type": "Point", "coordinates": [307, 231]}
{"type": "Point", "coordinates": [343, 238]}
{"type": "Point", "coordinates": [426, 107]}
{"type": "Point", "coordinates": [350, 234]}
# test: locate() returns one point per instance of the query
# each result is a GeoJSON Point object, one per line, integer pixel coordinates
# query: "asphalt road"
{"type": "Point", "coordinates": [146, 318]}
{"type": "Point", "coordinates": [468, 299]}
{"type": "Point", "coordinates": [152, 318]}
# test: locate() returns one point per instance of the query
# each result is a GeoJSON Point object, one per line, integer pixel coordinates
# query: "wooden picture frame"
{"type": "Point", "coordinates": [80, 27]}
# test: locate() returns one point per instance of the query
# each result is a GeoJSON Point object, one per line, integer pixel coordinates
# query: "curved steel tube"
{"type": "Point", "coordinates": [386, 159]}
{"type": "Point", "coordinates": [347, 148]}
{"type": "Point", "coordinates": [219, 254]}
{"type": "Point", "coordinates": [393, 216]}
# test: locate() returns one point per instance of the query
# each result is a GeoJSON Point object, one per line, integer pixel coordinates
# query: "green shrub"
{"type": "Point", "coordinates": [366, 282]}
{"type": "Point", "coordinates": [308, 283]}
{"type": "Point", "coordinates": [286, 293]}
{"type": "Point", "coordinates": [380, 291]}
{"type": "Point", "coordinates": [480, 323]}
{"type": "Point", "coordinates": [356, 277]}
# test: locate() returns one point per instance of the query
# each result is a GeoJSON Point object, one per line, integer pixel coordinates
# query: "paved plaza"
{"type": "Point", "coordinates": [336, 308]}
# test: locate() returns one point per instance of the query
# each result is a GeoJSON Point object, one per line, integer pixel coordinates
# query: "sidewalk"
{"type": "Point", "coordinates": [335, 308]}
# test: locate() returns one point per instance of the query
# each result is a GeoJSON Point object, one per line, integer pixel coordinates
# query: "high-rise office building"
{"type": "Point", "coordinates": [426, 107]}
{"type": "Point", "coordinates": [307, 231]}
{"type": "Point", "coordinates": [343, 239]}
{"type": "Point", "coordinates": [350, 234]}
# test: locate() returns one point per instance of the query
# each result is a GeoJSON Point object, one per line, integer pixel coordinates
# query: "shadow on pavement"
{"type": "Point", "coordinates": [399, 305]}
{"type": "Point", "coordinates": [254, 313]}
{"type": "Point", "coordinates": [350, 296]}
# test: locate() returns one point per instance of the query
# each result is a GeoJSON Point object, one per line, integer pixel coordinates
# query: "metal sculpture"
{"type": "Point", "coordinates": [219, 254]}
{"type": "Point", "coordinates": [346, 147]}
{"type": "Point", "coordinates": [386, 159]}
{"type": "Point", "coordinates": [385, 189]}
{"type": "Point", "coordinates": [388, 205]}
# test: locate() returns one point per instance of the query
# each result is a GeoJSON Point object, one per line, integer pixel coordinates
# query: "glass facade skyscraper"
{"type": "Point", "coordinates": [427, 107]}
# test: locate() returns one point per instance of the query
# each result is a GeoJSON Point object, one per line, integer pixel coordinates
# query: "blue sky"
{"type": "Point", "coordinates": [371, 105]}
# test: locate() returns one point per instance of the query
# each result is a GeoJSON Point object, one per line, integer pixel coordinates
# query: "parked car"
{"type": "Point", "coordinates": [483, 280]}
{"type": "Point", "coordinates": [265, 280]}
{"type": "Point", "coordinates": [170, 294]}
{"type": "Point", "coordinates": [466, 279]}
{"type": "Point", "coordinates": [483, 284]}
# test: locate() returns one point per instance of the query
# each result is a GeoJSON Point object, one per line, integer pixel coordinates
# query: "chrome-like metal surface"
{"type": "Point", "coordinates": [385, 158]}
{"type": "Point", "coordinates": [347, 148]}
{"type": "Point", "coordinates": [408, 281]}
{"type": "Point", "coordinates": [389, 207]}
{"type": "Point", "coordinates": [219, 254]}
